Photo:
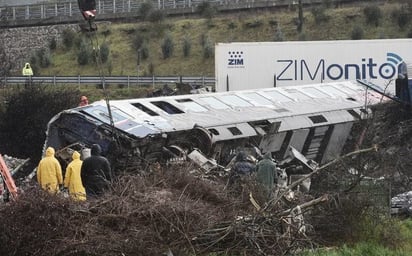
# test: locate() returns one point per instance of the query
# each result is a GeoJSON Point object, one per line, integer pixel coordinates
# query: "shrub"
{"type": "Point", "coordinates": [138, 40]}
{"type": "Point", "coordinates": [104, 52]}
{"type": "Point", "coordinates": [145, 9]}
{"type": "Point", "coordinates": [27, 114]}
{"type": "Point", "coordinates": [53, 44]}
{"type": "Point", "coordinates": [144, 51]}
{"type": "Point", "coordinates": [401, 17]}
{"type": "Point", "coordinates": [357, 33]}
{"type": "Point", "coordinates": [151, 69]}
{"type": "Point", "coordinates": [187, 45]}
{"type": "Point", "coordinates": [278, 34]}
{"type": "Point", "coordinates": [373, 14]}
{"type": "Point", "coordinates": [319, 14]}
{"type": "Point", "coordinates": [156, 16]}
{"type": "Point", "coordinates": [208, 49]}
{"type": "Point", "coordinates": [167, 46]}
{"type": "Point", "coordinates": [84, 54]}
{"type": "Point", "coordinates": [43, 57]}
{"type": "Point", "coordinates": [68, 37]}
{"type": "Point", "coordinates": [206, 10]}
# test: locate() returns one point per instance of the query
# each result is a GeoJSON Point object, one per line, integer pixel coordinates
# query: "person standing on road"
{"type": "Point", "coordinates": [49, 172]}
{"type": "Point", "coordinates": [95, 172]}
{"type": "Point", "coordinates": [28, 73]}
{"type": "Point", "coordinates": [72, 179]}
{"type": "Point", "coordinates": [266, 173]}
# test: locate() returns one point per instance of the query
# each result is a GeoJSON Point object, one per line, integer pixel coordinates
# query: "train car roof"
{"type": "Point", "coordinates": [143, 116]}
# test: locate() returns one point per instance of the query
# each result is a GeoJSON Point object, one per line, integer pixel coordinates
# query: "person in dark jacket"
{"type": "Point", "coordinates": [266, 173]}
{"type": "Point", "coordinates": [96, 172]}
{"type": "Point", "coordinates": [240, 168]}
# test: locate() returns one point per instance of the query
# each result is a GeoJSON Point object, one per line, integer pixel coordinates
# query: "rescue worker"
{"type": "Point", "coordinates": [83, 101]}
{"type": "Point", "coordinates": [266, 173]}
{"type": "Point", "coordinates": [49, 172]}
{"type": "Point", "coordinates": [72, 179]}
{"type": "Point", "coordinates": [240, 168]}
{"type": "Point", "coordinates": [27, 71]}
{"type": "Point", "coordinates": [95, 172]}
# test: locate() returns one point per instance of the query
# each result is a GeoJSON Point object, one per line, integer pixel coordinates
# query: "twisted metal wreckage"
{"type": "Point", "coordinates": [208, 129]}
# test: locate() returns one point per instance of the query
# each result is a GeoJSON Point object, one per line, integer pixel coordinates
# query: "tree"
{"type": "Point", "coordinates": [167, 46]}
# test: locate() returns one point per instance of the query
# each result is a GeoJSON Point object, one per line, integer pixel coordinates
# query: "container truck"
{"type": "Point", "coordinates": [240, 66]}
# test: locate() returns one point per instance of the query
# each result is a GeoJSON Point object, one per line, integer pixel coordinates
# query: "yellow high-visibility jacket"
{"type": "Point", "coordinates": [27, 71]}
{"type": "Point", "coordinates": [49, 172]}
{"type": "Point", "coordinates": [73, 180]}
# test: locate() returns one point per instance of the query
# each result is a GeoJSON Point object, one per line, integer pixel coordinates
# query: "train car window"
{"type": "Point", "coordinates": [214, 131]}
{"type": "Point", "coordinates": [214, 103]}
{"type": "Point", "coordinates": [297, 94]}
{"type": "Point", "coordinates": [315, 92]}
{"type": "Point", "coordinates": [333, 91]}
{"type": "Point", "coordinates": [259, 99]}
{"type": "Point", "coordinates": [277, 96]}
{"type": "Point", "coordinates": [145, 109]}
{"type": "Point", "coordinates": [234, 131]}
{"type": "Point", "coordinates": [167, 107]}
{"type": "Point", "coordinates": [191, 105]}
{"type": "Point", "coordinates": [236, 101]}
{"type": "Point", "coordinates": [346, 89]}
{"type": "Point", "coordinates": [318, 119]}
{"type": "Point", "coordinates": [101, 113]}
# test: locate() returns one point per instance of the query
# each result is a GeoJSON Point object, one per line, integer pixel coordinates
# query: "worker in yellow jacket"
{"type": "Point", "coordinates": [73, 180]}
{"type": "Point", "coordinates": [49, 172]}
{"type": "Point", "coordinates": [27, 70]}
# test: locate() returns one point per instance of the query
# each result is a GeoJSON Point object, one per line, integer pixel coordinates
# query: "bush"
{"type": "Point", "coordinates": [206, 10]}
{"type": "Point", "coordinates": [319, 14]}
{"type": "Point", "coordinates": [104, 52]}
{"type": "Point", "coordinates": [84, 54]}
{"type": "Point", "coordinates": [278, 35]}
{"type": "Point", "coordinates": [68, 37]}
{"type": "Point", "coordinates": [208, 49]}
{"type": "Point", "coordinates": [144, 51]}
{"type": "Point", "coordinates": [357, 33]}
{"type": "Point", "coordinates": [167, 46]}
{"type": "Point", "coordinates": [27, 114]}
{"type": "Point", "coordinates": [401, 17]}
{"type": "Point", "coordinates": [138, 41]}
{"type": "Point", "coordinates": [145, 9]}
{"type": "Point", "coordinates": [373, 15]}
{"type": "Point", "coordinates": [156, 16]}
{"type": "Point", "coordinates": [53, 44]}
{"type": "Point", "coordinates": [43, 57]}
{"type": "Point", "coordinates": [187, 45]}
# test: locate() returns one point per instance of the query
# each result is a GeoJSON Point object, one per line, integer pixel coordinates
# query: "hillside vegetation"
{"type": "Point", "coordinates": [188, 43]}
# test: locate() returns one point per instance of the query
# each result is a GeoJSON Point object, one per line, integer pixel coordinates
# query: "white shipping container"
{"type": "Point", "coordinates": [240, 66]}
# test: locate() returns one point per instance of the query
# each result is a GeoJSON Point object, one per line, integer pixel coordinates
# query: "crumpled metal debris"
{"type": "Point", "coordinates": [402, 204]}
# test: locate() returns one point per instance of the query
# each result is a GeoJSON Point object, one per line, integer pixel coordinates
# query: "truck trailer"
{"type": "Point", "coordinates": [253, 65]}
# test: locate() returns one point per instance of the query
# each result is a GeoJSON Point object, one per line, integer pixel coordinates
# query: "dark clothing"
{"type": "Point", "coordinates": [241, 167]}
{"type": "Point", "coordinates": [266, 173]}
{"type": "Point", "coordinates": [96, 172]}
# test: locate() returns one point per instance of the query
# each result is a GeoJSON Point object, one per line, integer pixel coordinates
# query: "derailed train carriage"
{"type": "Point", "coordinates": [314, 119]}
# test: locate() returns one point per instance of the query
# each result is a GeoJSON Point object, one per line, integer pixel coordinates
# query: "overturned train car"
{"type": "Point", "coordinates": [315, 119]}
